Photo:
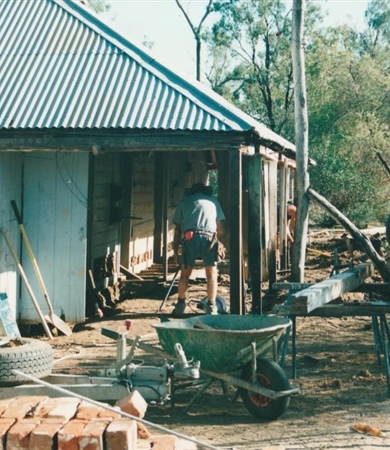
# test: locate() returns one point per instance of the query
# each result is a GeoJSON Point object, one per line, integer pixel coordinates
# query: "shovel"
{"type": "Point", "coordinates": [56, 321]}
{"type": "Point", "coordinates": [27, 284]}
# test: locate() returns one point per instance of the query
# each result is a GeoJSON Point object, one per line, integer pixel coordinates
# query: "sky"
{"type": "Point", "coordinates": [162, 23]}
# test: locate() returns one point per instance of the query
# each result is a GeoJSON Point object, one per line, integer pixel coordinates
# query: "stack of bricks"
{"type": "Point", "coordinates": [67, 423]}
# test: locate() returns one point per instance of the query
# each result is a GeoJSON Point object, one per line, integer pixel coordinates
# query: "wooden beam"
{"type": "Point", "coordinates": [165, 228]}
{"type": "Point", "coordinates": [236, 257]}
{"type": "Point", "coordinates": [158, 209]}
{"type": "Point", "coordinates": [255, 181]}
{"type": "Point", "coordinates": [319, 294]}
{"type": "Point", "coordinates": [301, 141]}
{"type": "Point", "coordinates": [126, 176]}
{"type": "Point", "coordinates": [363, 240]}
{"type": "Point", "coordinates": [129, 273]}
{"type": "Point", "coordinates": [272, 243]}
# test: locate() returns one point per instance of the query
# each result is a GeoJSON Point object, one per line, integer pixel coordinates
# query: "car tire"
{"type": "Point", "coordinates": [33, 357]}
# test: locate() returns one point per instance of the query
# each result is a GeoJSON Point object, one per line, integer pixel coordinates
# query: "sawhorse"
{"type": "Point", "coordinates": [376, 310]}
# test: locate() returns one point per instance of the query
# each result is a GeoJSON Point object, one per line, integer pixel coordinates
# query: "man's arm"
{"type": "Point", "coordinates": [219, 229]}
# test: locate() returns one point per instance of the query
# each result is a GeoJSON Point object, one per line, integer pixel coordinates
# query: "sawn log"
{"type": "Point", "coordinates": [363, 240]}
{"type": "Point", "coordinates": [307, 300]}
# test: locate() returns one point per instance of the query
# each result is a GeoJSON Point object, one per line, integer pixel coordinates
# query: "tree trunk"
{"type": "Point", "coordinates": [198, 53]}
{"type": "Point", "coordinates": [301, 143]}
{"type": "Point", "coordinates": [363, 240]}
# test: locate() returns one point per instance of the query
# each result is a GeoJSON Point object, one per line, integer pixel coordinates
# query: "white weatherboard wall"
{"type": "Point", "coordinates": [55, 188]}
{"type": "Point", "coordinates": [10, 188]}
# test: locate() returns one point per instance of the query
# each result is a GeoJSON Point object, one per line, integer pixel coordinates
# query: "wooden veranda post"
{"type": "Point", "coordinates": [255, 181]}
{"type": "Point", "coordinates": [237, 305]}
{"type": "Point", "coordinates": [301, 142]}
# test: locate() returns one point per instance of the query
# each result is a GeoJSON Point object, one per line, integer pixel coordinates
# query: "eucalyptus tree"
{"type": "Point", "coordinates": [349, 95]}
{"type": "Point", "coordinates": [212, 6]}
{"type": "Point", "coordinates": [98, 6]}
{"type": "Point", "coordinates": [252, 64]}
{"type": "Point", "coordinates": [378, 19]}
{"type": "Point", "coordinates": [347, 85]}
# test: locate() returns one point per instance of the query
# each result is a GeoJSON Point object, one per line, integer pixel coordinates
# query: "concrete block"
{"type": "Point", "coordinates": [133, 404]}
{"type": "Point", "coordinates": [121, 434]}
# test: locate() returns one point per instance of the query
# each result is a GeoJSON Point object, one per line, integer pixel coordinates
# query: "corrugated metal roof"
{"type": "Point", "coordinates": [63, 67]}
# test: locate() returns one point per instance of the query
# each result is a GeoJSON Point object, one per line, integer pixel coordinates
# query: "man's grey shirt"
{"type": "Point", "coordinates": [198, 212]}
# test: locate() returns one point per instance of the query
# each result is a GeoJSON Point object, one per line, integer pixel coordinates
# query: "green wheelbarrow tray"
{"type": "Point", "coordinates": [222, 343]}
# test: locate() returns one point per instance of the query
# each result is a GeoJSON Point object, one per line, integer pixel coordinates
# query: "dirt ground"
{"type": "Point", "coordinates": [341, 382]}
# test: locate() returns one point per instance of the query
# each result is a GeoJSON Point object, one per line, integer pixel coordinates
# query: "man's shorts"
{"type": "Point", "coordinates": [199, 248]}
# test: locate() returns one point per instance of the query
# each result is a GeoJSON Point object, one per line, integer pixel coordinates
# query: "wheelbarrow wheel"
{"type": "Point", "coordinates": [271, 376]}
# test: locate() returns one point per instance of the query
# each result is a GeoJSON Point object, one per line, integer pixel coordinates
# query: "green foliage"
{"type": "Point", "coordinates": [254, 38]}
{"type": "Point", "coordinates": [378, 18]}
{"type": "Point", "coordinates": [348, 91]}
{"type": "Point", "coordinates": [98, 6]}
{"type": "Point", "coordinates": [348, 87]}
{"type": "Point", "coordinates": [251, 64]}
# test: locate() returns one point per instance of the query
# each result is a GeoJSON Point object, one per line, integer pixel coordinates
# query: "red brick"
{"type": "Point", "coordinates": [68, 436]}
{"type": "Point", "coordinates": [164, 442]}
{"type": "Point", "coordinates": [44, 435]}
{"type": "Point", "coordinates": [121, 434]}
{"type": "Point", "coordinates": [133, 404]}
{"type": "Point", "coordinates": [142, 431]}
{"type": "Point", "coordinates": [92, 436]}
{"type": "Point", "coordinates": [5, 404]}
{"type": "Point", "coordinates": [18, 436]}
{"type": "Point", "coordinates": [45, 407]}
{"type": "Point", "coordinates": [66, 408]}
{"type": "Point", "coordinates": [5, 425]}
{"type": "Point", "coordinates": [108, 414]}
{"type": "Point", "coordinates": [87, 410]}
{"type": "Point", "coordinates": [23, 405]}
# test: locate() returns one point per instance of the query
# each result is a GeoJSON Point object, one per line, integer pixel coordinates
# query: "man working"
{"type": "Point", "coordinates": [291, 221]}
{"type": "Point", "coordinates": [198, 219]}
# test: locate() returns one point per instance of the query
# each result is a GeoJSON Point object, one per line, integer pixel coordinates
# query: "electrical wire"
{"type": "Point", "coordinates": [83, 201]}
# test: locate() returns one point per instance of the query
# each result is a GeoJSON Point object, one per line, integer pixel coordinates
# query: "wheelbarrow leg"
{"type": "Point", "coordinates": [198, 394]}
{"type": "Point", "coordinates": [384, 330]}
{"type": "Point", "coordinates": [377, 338]}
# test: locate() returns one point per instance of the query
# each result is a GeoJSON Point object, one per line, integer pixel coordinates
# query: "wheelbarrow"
{"type": "Point", "coordinates": [227, 344]}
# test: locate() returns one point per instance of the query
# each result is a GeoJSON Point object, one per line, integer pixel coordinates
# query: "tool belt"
{"type": "Point", "coordinates": [189, 234]}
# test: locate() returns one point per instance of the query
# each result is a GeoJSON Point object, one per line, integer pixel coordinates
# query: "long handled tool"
{"type": "Point", "coordinates": [52, 318]}
{"type": "Point", "coordinates": [169, 290]}
{"type": "Point", "coordinates": [25, 280]}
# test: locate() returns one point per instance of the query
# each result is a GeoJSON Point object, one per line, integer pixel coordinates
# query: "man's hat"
{"type": "Point", "coordinates": [200, 187]}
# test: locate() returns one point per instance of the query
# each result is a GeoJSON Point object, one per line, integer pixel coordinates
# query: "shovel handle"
{"type": "Point", "coordinates": [16, 211]}
{"type": "Point", "coordinates": [27, 284]}
{"type": "Point", "coordinates": [32, 257]}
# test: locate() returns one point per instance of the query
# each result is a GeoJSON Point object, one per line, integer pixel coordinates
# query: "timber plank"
{"type": "Point", "coordinates": [319, 294]}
